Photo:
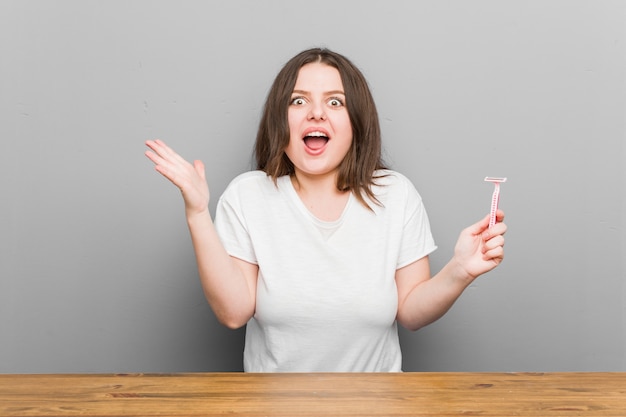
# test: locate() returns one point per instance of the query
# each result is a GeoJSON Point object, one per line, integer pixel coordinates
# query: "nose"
{"type": "Point", "coordinates": [317, 112]}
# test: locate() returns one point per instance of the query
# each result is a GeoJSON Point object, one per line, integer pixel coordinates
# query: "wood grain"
{"type": "Point", "coordinates": [238, 394]}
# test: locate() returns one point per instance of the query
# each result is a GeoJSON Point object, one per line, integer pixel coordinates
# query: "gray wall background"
{"type": "Point", "coordinates": [96, 269]}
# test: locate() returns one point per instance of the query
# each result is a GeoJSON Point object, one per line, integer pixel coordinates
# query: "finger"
{"type": "Point", "coordinates": [156, 145]}
{"type": "Point", "coordinates": [497, 229]}
{"type": "Point", "coordinates": [176, 165]}
{"type": "Point", "coordinates": [170, 170]}
{"type": "Point", "coordinates": [199, 167]}
{"type": "Point", "coordinates": [153, 157]}
{"type": "Point", "coordinates": [164, 151]}
{"type": "Point", "coordinates": [494, 242]}
{"type": "Point", "coordinates": [158, 160]}
{"type": "Point", "coordinates": [163, 148]}
{"type": "Point", "coordinates": [496, 254]}
{"type": "Point", "coordinates": [156, 153]}
{"type": "Point", "coordinates": [479, 227]}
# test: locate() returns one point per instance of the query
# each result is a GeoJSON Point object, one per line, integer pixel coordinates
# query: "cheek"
{"type": "Point", "coordinates": [292, 122]}
{"type": "Point", "coordinates": [346, 128]}
{"type": "Point", "coordinates": [343, 122]}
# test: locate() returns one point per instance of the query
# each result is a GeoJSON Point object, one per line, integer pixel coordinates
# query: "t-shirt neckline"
{"type": "Point", "coordinates": [285, 184]}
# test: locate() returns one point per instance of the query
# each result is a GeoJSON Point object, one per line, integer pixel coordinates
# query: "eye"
{"type": "Point", "coordinates": [297, 101]}
{"type": "Point", "coordinates": [335, 102]}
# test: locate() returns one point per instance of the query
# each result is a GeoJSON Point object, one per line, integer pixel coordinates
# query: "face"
{"type": "Point", "coordinates": [319, 125]}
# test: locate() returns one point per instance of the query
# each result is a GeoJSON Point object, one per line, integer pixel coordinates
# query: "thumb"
{"type": "Point", "coordinates": [480, 226]}
{"type": "Point", "coordinates": [199, 167]}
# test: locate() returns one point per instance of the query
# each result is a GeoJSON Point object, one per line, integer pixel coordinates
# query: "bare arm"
{"type": "Point", "coordinates": [229, 283]}
{"type": "Point", "coordinates": [422, 299]}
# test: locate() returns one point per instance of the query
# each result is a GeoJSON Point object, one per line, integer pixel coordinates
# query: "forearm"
{"type": "Point", "coordinates": [432, 298]}
{"type": "Point", "coordinates": [421, 300]}
{"type": "Point", "coordinates": [229, 284]}
{"type": "Point", "coordinates": [226, 287]}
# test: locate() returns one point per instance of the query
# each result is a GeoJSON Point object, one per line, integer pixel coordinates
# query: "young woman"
{"type": "Point", "coordinates": [322, 250]}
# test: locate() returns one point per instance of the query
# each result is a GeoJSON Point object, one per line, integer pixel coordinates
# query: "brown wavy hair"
{"type": "Point", "coordinates": [357, 170]}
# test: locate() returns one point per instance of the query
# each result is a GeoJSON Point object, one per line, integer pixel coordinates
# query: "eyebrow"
{"type": "Point", "coordinates": [326, 92]}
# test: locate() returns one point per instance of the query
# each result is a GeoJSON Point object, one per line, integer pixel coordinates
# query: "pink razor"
{"type": "Point", "coordinates": [495, 197]}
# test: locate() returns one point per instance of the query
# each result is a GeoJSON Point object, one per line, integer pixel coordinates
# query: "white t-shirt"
{"type": "Point", "coordinates": [326, 292]}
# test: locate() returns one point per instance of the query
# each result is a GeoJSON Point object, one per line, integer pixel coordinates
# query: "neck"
{"type": "Point", "coordinates": [320, 195]}
{"type": "Point", "coordinates": [315, 184]}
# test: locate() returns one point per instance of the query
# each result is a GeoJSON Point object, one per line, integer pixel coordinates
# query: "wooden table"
{"type": "Point", "coordinates": [238, 394]}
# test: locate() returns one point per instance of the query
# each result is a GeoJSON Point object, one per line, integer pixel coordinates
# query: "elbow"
{"type": "Point", "coordinates": [414, 320]}
{"type": "Point", "coordinates": [232, 324]}
{"type": "Point", "coordinates": [232, 320]}
{"type": "Point", "coordinates": [232, 315]}
{"type": "Point", "coordinates": [411, 326]}
{"type": "Point", "coordinates": [410, 323]}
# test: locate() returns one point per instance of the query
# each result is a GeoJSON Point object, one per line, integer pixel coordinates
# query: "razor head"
{"type": "Point", "coordinates": [495, 179]}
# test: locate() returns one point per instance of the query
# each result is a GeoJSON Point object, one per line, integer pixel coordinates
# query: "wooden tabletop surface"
{"type": "Point", "coordinates": [339, 394]}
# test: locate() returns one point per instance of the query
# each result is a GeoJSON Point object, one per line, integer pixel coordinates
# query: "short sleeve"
{"type": "Point", "coordinates": [417, 240]}
{"type": "Point", "coordinates": [230, 223]}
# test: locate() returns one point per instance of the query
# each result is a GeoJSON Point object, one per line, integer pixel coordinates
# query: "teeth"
{"type": "Point", "coordinates": [317, 134]}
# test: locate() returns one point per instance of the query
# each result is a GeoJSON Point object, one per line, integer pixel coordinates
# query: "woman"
{"type": "Point", "coordinates": [322, 250]}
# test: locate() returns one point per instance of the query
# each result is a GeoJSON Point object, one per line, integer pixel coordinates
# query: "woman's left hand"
{"type": "Point", "coordinates": [480, 248]}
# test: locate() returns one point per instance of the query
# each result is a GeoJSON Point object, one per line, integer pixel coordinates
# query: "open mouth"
{"type": "Point", "coordinates": [315, 140]}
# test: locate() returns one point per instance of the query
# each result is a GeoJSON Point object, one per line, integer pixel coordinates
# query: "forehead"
{"type": "Point", "coordinates": [318, 77]}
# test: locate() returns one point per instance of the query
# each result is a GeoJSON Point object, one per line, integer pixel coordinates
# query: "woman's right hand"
{"type": "Point", "coordinates": [189, 178]}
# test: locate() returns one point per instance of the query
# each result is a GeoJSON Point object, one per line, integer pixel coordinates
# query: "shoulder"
{"type": "Point", "coordinates": [250, 186]}
{"type": "Point", "coordinates": [247, 178]}
{"type": "Point", "coordinates": [395, 191]}
{"type": "Point", "coordinates": [386, 177]}
{"type": "Point", "coordinates": [251, 180]}
{"type": "Point", "coordinates": [388, 181]}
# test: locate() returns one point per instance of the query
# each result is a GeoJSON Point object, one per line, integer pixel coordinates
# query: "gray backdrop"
{"type": "Point", "coordinates": [97, 272]}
